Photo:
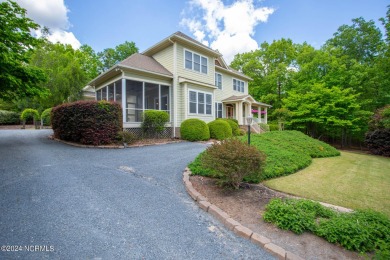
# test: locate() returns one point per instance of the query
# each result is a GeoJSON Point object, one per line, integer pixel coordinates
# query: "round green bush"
{"type": "Point", "coordinates": [45, 116]}
{"type": "Point", "coordinates": [233, 124]}
{"type": "Point", "coordinates": [220, 129]}
{"type": "Point", "coordinates": [194, 130]}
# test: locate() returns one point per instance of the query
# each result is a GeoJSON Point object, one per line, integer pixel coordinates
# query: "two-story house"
{"type": "Point", "coordinates": [183, 77]}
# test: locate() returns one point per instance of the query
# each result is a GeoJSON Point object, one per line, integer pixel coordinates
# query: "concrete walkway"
{"type": "Point", "coordinates": [64, 202]}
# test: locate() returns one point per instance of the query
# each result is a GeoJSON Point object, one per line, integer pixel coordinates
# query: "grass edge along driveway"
{"type": "Point", "coordinates": [352, 180]}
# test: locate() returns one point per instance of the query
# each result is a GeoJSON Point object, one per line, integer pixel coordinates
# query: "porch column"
{"type": "Point", "coordinates": [259, 114]}
{"type": "Point", "coordinates": [239, 112]}
{"type": "Point", "coordinates": [124, 100]}
{"type": "Point", "coordinates": [266, 116]}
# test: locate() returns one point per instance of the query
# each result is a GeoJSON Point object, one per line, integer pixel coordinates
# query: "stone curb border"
{"type": "Point", "coordinates": [234, 225]}
{"type": "Point", "coordinates": [108, 146]}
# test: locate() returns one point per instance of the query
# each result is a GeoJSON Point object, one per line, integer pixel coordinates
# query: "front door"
{"type": "Point", "coordinates": [229, 112]}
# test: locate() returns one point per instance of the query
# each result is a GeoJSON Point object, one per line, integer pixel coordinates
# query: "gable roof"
{"type": "Point", "coordinates": [181, 38]}
{"type": "Point", "coordinates": [145, 63]}
{"type": "Point", "coordinates": [244, 98]}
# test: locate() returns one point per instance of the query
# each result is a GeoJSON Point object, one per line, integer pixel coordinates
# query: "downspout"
{"type": "Point", "coordinates": [174, 87]}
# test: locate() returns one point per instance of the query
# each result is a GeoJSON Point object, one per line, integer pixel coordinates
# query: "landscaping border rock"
{"type": "Point", "coordinates": [234, 225]}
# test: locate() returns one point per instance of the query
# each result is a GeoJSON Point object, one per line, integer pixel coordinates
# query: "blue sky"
{"type": "Point", "coordinates": [229, 26]}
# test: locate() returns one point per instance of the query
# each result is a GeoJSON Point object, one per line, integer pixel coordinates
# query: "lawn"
{"type": "Point", "coordinates": [352, 180]}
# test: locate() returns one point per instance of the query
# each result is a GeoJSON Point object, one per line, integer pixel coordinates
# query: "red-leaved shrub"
{"type": "Point", "coordinates": [87, 122]}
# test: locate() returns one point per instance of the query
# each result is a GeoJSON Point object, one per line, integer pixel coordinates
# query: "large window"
{"type": "Point", "coordinates": [143, 96]}
{"type": "Point", "coordinates": [238, 85]}
{"type": "Point", "coordinates": [199, 102]}
{"type": "Point", "coordinates": [218, 80]}
{"type": "Point", "coordinates": [218, 110]}
{"type": "Point", "coordinates": [196, 62]}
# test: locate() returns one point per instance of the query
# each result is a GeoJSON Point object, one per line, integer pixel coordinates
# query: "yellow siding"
{"type": "Point", "coordinates": [190, 74]}
{"type": "Point", "coordinates": [227, 87]}
{"type": "Point", "coordinates": [149, 79]}
{"type": "Point", "coordinates": [165, 58]}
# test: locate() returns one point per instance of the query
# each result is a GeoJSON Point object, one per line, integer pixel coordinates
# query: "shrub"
{"type": "Point", "coordinates": [287, 152]}
{"type": "Point", "coordinates": [233, 124]}
{"type": "Point", "coordinates": [154, 122]}
{"type": "Point", "coordinates": [231, 160]}
{"type": "Point", "coordinates": [194, 130]}
{"type": "Point", "coordinates": [29, 113]}
{"type": "Point", "coordinates": [126, 137]}
{"type": "Point", "coordinates": [45, 117]}
{"type": "Point", "coordinates": [87, 122]}
{"type": "Point", "coordinates": [220, 129]}
{"type": "Point", "coordinates": [9, 117]}
{"type": "Point", "coordinates": [378, 142]}
{"type": "Point", "coordinates": [362, 231]}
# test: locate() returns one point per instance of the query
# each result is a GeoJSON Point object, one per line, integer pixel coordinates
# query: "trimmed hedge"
{"type": "Point", "coordinates": [286, 151]}
{"type": "Point", "coordinates": [45, 117]}
{"type": "Point", "coordinates": [29, 113]}
{"type": "Point", "coordinates": [220, 129]}
{"type": "Point", "coordinates": [9, 118]}
{"type": "Point", "coordinates": [378, 142]}
{"type": "Point", "coordinates": [87, 122]}
{"type": "Point", "coordinates": [233, 124]}
{"type": "Point", "coordinates": [154, 122]}
{"type": "Point", "coordinates": [194, 130]}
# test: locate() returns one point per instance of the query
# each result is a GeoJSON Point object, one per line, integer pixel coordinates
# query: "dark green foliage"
{"type": "Point", "coordinates": [126, 137]}
{"type": "Point", "coordinates": [362, 231]}
{"type": "Point", "coordinates": [295, 215]}
{"type": "Point", "coordinates": [287, 152]}
{"type": "Point", "coordinates": [232, 160]}
{"type": "Point", "coordinates": [381, 119]}
{"type": "Point", "coordinates": [233, 124]}
{"type": "Point", "coordinates": [45, 117]}
{"type": "Point", "coordinates": [87, 122]}
{"type": "Point", "coordinates": [29, 113]}
{"type": "Point", "coordinates": [194, 130]}
{"type": "Point", "coordinates": [154, 122]}
{"type": "Point", "coordinates": [378, 142]}
{"type": "Point", "coordinates": [9, 117]}
{"type": "Point", "coordinates": [220, 129]}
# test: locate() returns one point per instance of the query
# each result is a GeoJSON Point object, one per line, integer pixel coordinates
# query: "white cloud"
{"type": "Point", "coordinates": [54, 15]}
{"type": "Point", "coordinates": [229, 28]}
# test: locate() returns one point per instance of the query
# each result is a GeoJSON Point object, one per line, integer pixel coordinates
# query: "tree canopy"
{"type": "Point", "coordinates": [111, 56]}
{"type": "Point", "coordinates": [18, 78]}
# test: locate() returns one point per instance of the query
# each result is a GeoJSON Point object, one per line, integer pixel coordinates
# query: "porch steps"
{"type": "Point", "coordinates": [255, 128]}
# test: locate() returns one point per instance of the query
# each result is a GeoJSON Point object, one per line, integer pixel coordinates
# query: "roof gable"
{"type": "Point", "coordinates": [145, 63]}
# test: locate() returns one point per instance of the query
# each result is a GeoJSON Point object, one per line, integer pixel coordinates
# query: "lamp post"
{"type": "Point", "coordinates": [249, 122]}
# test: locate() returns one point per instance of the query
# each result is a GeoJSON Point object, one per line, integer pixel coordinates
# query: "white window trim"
{"type": "Point", "coordinates": [215, 80]}
{"type": "Point", "coordinates": [234, 79]}
{"type": "Point", "coordinates": [197, 103]}
{"type": "Point", "coordinates": [193, 62]}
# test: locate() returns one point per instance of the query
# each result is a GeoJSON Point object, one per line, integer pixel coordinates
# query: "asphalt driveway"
{"type": "Point", "coordinates": [63, 202]}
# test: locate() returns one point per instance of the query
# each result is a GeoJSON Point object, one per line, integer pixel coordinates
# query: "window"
{"type": "Point", "coordinates": [141, 96]}
{"type": "Point", "coordinates": [199, 102]}
{"type": "Point", "coordinates": [196, 62]}
{"type": "Point", "coordinates": [238, 85]}
{"type": "Point", "coordinates": [218, 110]}
{"type": "Point", "coordinates": [218, 80]}
{"type": "Point", "coordinates": [112, 92]}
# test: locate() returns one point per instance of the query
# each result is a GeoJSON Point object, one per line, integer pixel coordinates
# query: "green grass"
{"type": "Point", "coordinates": [286, 151]}
{"type": "Point", "coordinates": [352, 180]}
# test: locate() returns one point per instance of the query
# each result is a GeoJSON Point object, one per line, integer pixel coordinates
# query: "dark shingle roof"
{"type": "Point", "coordinates": [142, 62]}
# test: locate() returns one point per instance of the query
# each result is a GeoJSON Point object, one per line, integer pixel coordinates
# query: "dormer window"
{"type": "Point", "coordinates": [195, 62]}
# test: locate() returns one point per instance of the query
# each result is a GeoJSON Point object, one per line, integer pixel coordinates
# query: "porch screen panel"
{"type": "Point", "coordinates": [134, 101]}
{"type": "Point", "coordinates": [152, 99]}
{"type": "Point", "coordinates": [99, 95]}
{"type": "Point", "coordinates": [193, 102]}
{"type": "Point", "coordinates": [164, 99]}
{"type": "Point", "coordinates": [110, 89]}
{"type": "Point", "coordinates": [104, 93]}
{"type": "Point", "coordinates": [118, 91]}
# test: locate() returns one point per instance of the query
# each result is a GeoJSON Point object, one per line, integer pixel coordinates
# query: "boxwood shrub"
{"type": "Point", "coordinates": [9, 117]}
{"type": "Point", "coordinates": [233, 124]}
{"type": "Point", "coordinates": [194, 130]}
{"type": "Point", "coordinates": [87, 122]}
{"type": "Point", "coordinates": [154, 121]}
{"type": "Point", "coordinates": [220, 129]}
